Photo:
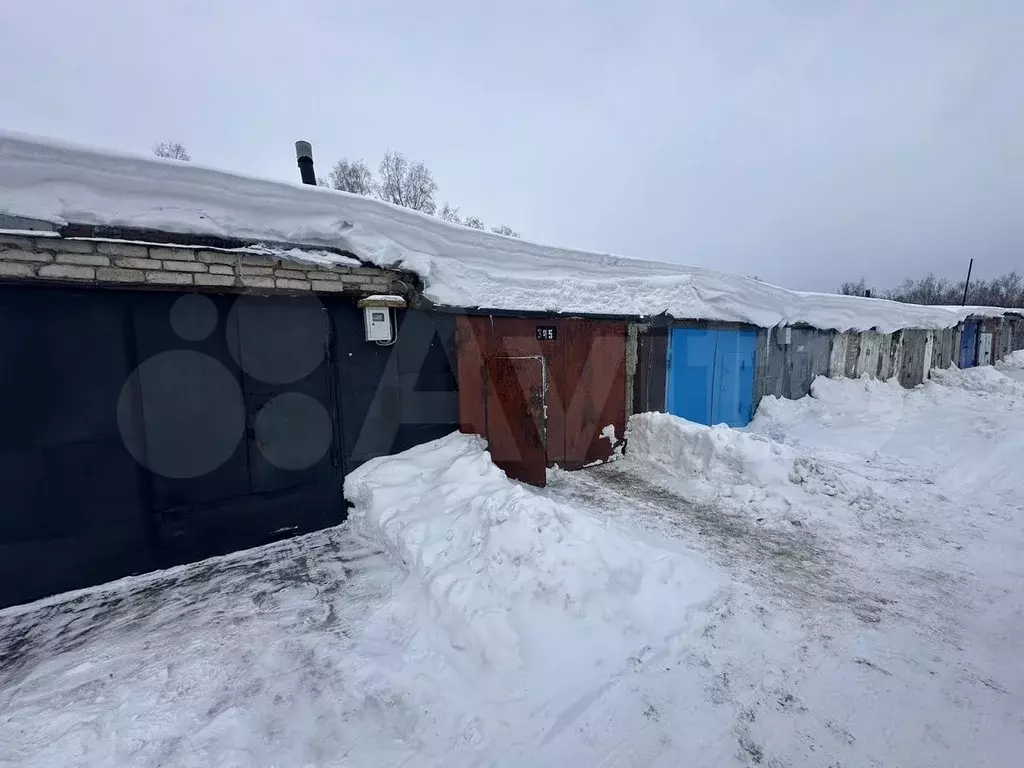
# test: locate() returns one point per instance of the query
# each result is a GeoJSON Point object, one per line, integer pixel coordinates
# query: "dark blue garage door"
{"type": "Point", "coordinates": [968, 344]}
{"type": "Point", "coordinates": [147, 429]}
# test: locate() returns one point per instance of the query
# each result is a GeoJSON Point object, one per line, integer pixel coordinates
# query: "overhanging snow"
{"type": "Point", "coordinates": [460, 267]}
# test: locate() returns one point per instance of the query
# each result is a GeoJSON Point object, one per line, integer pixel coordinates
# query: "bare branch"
{"type": "Point", "coordinates": [405, 183]}
{"type": "Point", "coordinates": [172, 150]}
{"type": "Point", "coordinates": [352, 176]}
{"type": "Point", "coordinates": [450, 213]}
{"type": "Point", "coordinates": [505, 230]}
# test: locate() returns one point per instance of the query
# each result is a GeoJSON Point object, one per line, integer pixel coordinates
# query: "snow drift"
{"type": "Point", "coordinates": [715, 454]}
{"type": "Point", "coordinates": [986, 379]}
{"type": "Point", "coordinates": [1012, 366]}
{"type": "Point", "coordinates": [461, 267]}
{"type": "Point", "coordinates": [783, 463]}
{"type": "Point", "coordinates": [528, 594]}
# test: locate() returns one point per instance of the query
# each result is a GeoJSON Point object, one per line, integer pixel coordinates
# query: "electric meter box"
{"type": "Point", "coordinates": [378, 324]}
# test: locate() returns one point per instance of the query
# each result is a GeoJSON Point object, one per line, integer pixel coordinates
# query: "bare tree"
{"type": "Point", "coordinates": [505, 230]}
{"type": "Point", "coordinates": [171, 149]}
{"type": "Point", "coordinates": [1004, 291]}
{"type": "Point", "coordinates": [450, 213]}
{"type": "Point", "coordinates": [926, 290]}
{"type": "Point", "coordinates": [406, 183]}
{"type": "Point", "coordinates": [352, 176]}
{"type": "Point", "coordinates": [860, 288]}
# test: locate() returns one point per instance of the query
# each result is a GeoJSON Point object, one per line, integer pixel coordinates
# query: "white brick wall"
{"type": "Point", "coordinates": [27, 255]}
{"type": "Point", "coordinates": [11, 269]}
{"type": "Point", "coordinates": [224, 280]}
{"type": "Point", "coordinates": [118, 275]}
{"type": "Point", "coordinates": [184, 266]}
{"type": "Point", "coordinates": [80, 260]}
{"type": "Point", "coordinates": [169, 278]}
{"type": "Point", "coordinates": [67, 272]}
{"type": "Point", "coordinates": [172, 254]}
{"type": "Point", "coordinates": [84, 259]}
{"type": "Point", "coordinates": [123, 249]}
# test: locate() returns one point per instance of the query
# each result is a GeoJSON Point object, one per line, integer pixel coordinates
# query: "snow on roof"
{"type": "Point", "coordinates": [460, 267]}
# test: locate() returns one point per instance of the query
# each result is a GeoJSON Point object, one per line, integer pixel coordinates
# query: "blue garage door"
{"type": "Point", "coordinates": [711, 375]}
{"type": "Point", "coordinates": [968, 344]}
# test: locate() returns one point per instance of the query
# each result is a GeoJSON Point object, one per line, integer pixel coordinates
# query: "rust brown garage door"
{"type": "Point", "coordinates": [579, 366]}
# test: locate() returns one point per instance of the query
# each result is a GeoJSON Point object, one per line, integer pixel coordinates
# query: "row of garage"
{"type": "Point", "coordinates": [143, 429]}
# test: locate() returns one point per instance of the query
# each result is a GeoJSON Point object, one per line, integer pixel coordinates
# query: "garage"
{"type": "Point", "coordinates": [711, 374]}
{"type": "Point", "coordinates": [144, 429]}
{"type": "Point", "coordinates": [543, 390]}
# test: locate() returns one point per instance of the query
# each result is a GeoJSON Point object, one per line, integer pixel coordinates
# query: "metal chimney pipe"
{"type": "Point", "coordinates": [304, 154]}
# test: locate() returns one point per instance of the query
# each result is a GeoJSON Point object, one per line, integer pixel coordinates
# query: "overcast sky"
{"type": "Point", "coordinates": [804, 142]}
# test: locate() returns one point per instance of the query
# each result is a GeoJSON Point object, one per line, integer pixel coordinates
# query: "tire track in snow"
{"type": "Point", "coordinates": [796, 565]}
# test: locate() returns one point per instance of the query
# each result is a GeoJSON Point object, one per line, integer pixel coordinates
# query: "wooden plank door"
{"type": "Point", "coordinates": [985, 349]}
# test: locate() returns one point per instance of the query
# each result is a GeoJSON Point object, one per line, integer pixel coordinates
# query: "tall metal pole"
{"type": "Point", "coordinates": [968, 283]}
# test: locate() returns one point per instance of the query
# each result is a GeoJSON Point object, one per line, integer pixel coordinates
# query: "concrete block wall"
{"type": "Point", "coordinates": [140, 265]}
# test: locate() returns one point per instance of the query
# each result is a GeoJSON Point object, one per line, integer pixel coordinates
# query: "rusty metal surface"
{"type": "Point", "coordinates": [595, 382]}
{"type": "Point", "coordinates": [503, 397]}
{"type": "Point", "coordinates": [582, 375]}
{"type": "Point", "coordinates": [516, 393]}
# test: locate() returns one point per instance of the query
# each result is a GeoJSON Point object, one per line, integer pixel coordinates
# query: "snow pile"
{"type": "Point", "coordinates": [846, 420]}
{"type": "Point", "coordinates": [1013, 361]}
{"type": "Point", "coordinates": [460, 267]}
{"type": "Point", "coordinates": [718, 455]}
{"type": "Point", "coordinates": [744, 470]}
{"type": "Point", "coordinates": [1012, 366]}
{"type": "Point", "coordinates": [837, 403]}
{"type": "Point", "coordinates": [531, 597]}
{"type": "Point", "coordinates": [985, 379]}
{"type": "Point", "coordinates": [784, 466]}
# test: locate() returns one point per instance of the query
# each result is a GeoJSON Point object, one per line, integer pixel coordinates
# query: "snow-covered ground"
{"type": "Point", "coordinates": [836, 585]}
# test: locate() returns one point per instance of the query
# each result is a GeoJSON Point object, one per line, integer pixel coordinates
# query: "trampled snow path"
{"type": "Point", "coordinates": [838, 585]}
{"type": "Point", "coordinates": [889, 525]}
